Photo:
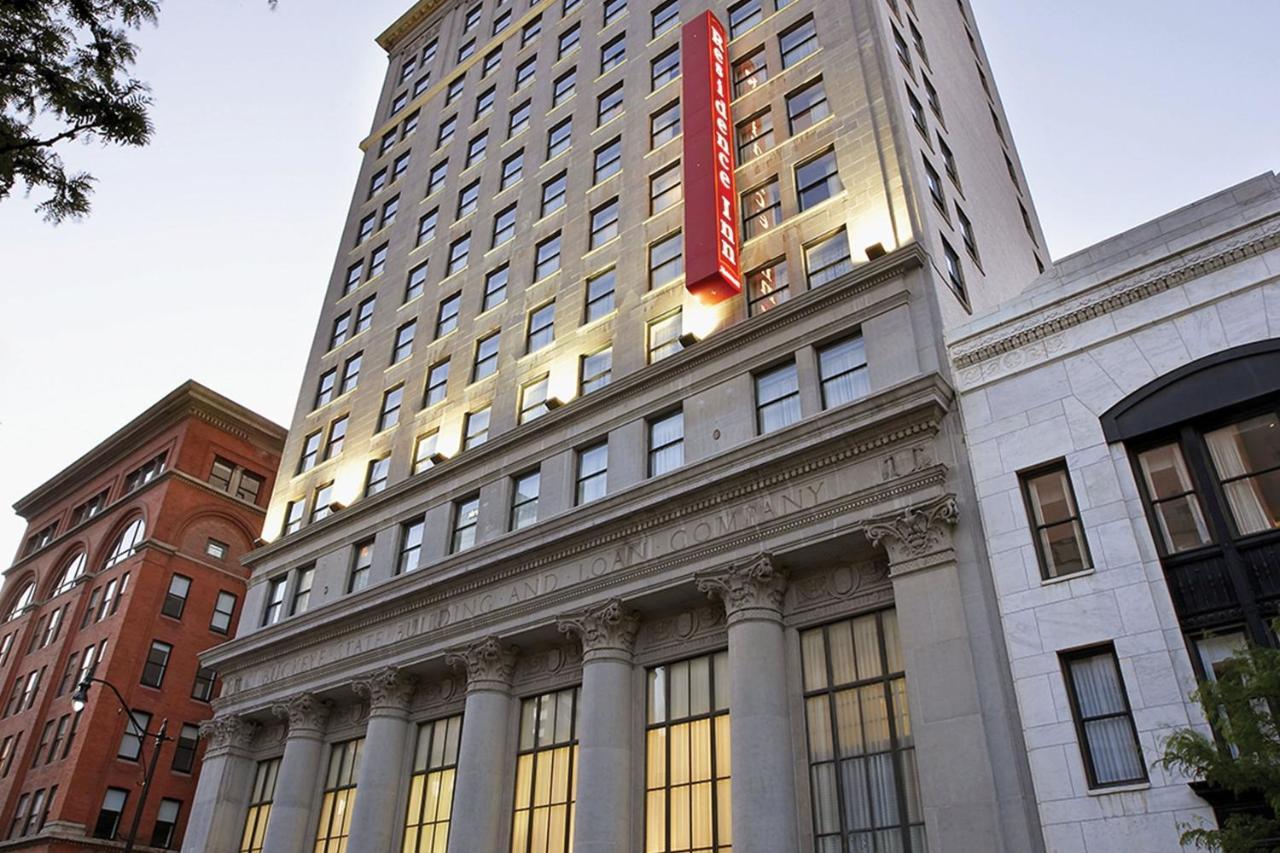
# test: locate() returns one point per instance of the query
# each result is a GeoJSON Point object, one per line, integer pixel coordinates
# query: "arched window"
{"type": "Point", "coordinates": [71, 573]}
{"type": "Point", "coordinates": [22, 602]}
{"type": "Point", "coordinates": [126, 543]}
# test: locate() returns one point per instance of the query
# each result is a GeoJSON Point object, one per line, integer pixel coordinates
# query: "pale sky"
{"type": "Point", "coordinates": [207, 253]}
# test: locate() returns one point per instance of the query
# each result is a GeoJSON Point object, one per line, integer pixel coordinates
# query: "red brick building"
{"type": "Point", "coordinates": [130, 567]}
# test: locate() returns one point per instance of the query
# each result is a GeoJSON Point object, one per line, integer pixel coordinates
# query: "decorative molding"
{"type": "Point", "coordinates": [681, 630]}
{"type": "Point", "coordinates": [228, 732]}
{"type": "Point", "coordinates": [305, 712]}
{"type": "Point", "coordinates": [919, 531]}
{"type": "Point", "coordinates": [488, 664]}
{"type": "Point", "coordinates": [752, 589]}
{"type": "Point", "coordinates": [607, 629]}
{"type": "Point", "coordinates": [388, 689]}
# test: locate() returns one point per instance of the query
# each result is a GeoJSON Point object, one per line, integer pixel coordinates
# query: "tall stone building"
{"type": "Point", "coordinates": [130, 567]}
{"type": "Point", "coordinates": [1124, 421]}
{"type": "Point", "coordinates": [575, 544]}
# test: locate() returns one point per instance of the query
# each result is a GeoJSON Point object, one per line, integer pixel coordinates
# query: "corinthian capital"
{"type": "Point", "coordinates": [388, 689]}
{"type": "Point", "coordinates": [605, 629]}
{"type": "Point", "coordinates": [918, 532]}
{"type": "Point", "coordinates": [752, 589]}
{"type": "Point", "coordinates": [488, 664]}
{"type": "Point", "coordinates": [305, 712]}
{"type": "Point", "coordinates": [229, 732]}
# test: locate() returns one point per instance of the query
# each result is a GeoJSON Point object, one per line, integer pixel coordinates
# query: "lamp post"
{"type": "Point", "coordinates": [78, 701]}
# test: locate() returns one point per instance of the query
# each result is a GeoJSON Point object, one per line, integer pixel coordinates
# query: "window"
{"type": "Point", "coordinates": [666, 260]}
{"type": "Point", "coordinates": [524, 499]}
{"type": "Point", "coordinates": [798, 42]}
{"type": "Point", "coordinates": [931, 94]}
{"type": "Point", "coordinates": [361, 566]}
{"type": "Point", "coordinates": [755, 136]}
{"type": "Point", "coordinates": [136, 724]}
{"type": "Point", "coordinates": [376, 479]}
{"type": "Point", "coordinates": [917, 112]}
{"type": "Point", "coordinates": [1104, 720]}
{"type": "Point", "coordinates": [141, 475]}
{"type": "Point", "coordinates": [666, 443]}
{"type": "Point", "coordinates": [339, 796]}
{"type": "Point", "coordinates": [1172, 499]}
{"type": "Point", "coordinates": [223, 609]}
{"type": "Point", "coordinates": [376, 183]}
{"type": "Point", "coordinates": [604, 224]}
{"type": "Point", "coordinates": [378, 261]}
{"type": "Point", "coordinates": [533, 400]}
{"type": "Point", "coordinates": [275, 600]}
{"type": "Point", "coordinates": [1246, 460]}
{"type": "Point", "coordinates": [664, 17]}
{"type": "Point", "coordinates": [568, 41]}
{"type": "Point", "coordinates": [109, 815]}
{"type": "Point", "coordinates": [900, 45]}
{"type": "Point", "coordinates": [423, 451]}
{"type": "Point", "coordinates": [600, 294]}
{"type": "Point", "coordinates": [553, 194]}
{"type": "Point", "coordinates": [389, 211]}
{"type": "Point", "coordinates": [364, 315]}
{"type": "Point", "coordinates": [745, 15]}
{"type": "Point", "coordinates": [935, 187]}
{"type": "Point", "coordinates": [761, 209]}
{"type": "Point", "coordinates": [437, 383]}
{"type": "Point", "coordinates": [955, 272]}
{"type": "Point", "coordinates": [842, 369]}
{"type": "Point", "coordinates": [767, 287]}
{"type": "Point", "coordinates": [426, 232]}
{"type": "Point", "coordinates": [472, 18]}
{"type": "Point", "coordinates": [72, 572]}
{"type": "Point", "coordinates": [612, 9]}
{"type": "Point", "coordinates": [664, 125]}
{"type": "Point", "coordinates": [175, 600]}
{"type": "Point", "coordinates": [807, 106]}
{"type": "Point", "coordinates": [949, 161]}
{"type": "Point", "coordinates": [1055, 521]}
{"type": "Point", "coordinates": [322, 502]}
{"type": "Point", "coordinates": [862, 764]}
{"type": "Point", "coordinates": [564, 87]}
{"type": "Point", "coordinates": [491, 62]}
{"type": "Point", "coordinates": [530, 31]}
{"type": "Point", "coordinates": [777, 398]}
{"type": "Point", "coordinates": [818, 180]}
{"type": "Point", "coordinates": [89, 509]}
{"type": "Point", "coordinates": [593, 473]}
{"type": "Point", "coordinates": [404, 342]}
{"type": "Point", "coordinates": [435, 768]}
{"type": "Point", "coordinates": [664, 68]}
{"type": "Point", "coordinates": [608, 161]}
{"type": "Point", "coordinates": [546, 773]}
{"type": "Point", "coordinates": [597, 370]}
{"type": "Point", "coordinates": [966, 234]}
{"type": "Point", "coordinates": [519, 118]}
{"type": "Point", "coordinates": [293, 514]}
{"type": "Point", "coordinates": [411, 122]}
{"type": "Point", "coordinates": [666, 188]}
{"type": "Point", "coordinates": [261, 795]}
{"type": "Point", "coordinates": [476, 428]}
{"type": "Point", "coordinates": [125, 545]}
{"type": "Point", "coordinates": [750, 72]}
{"type": "Point", "coordinates": [664, 336]}
{"type": "Point", "coordinates": [459, 253]}
{"type": "Point", "coordinates": [400, 166]}
{"type": "Point", "coordinates": [559, 137]}
{"type": "Point", "coordinates": [354, 273]}
{"type": "Point", "coordinates": [687, 788]}
{"type": "Point", "coordinates": [447, 315]}
{"type": "Point", "coordinates": [466, 515]}
{"type": "Point", "coordinates": [162, 835]}
{"type": "Point", "coordinates": [436, 177]}
{"type": "Point", "coordinates": [613, 53]}
{"type": "Point", "coordinates": [486, 363]}
{"type": "Point", "coordinates": [500, 23]}
{"type": "Point", "coordinates": [157, 662]}
{"type": "Point", "coordinates": [390, 414]}
{"type": "Point", "coordinates": [477, 148]}
{"type": "Point", "coordinates": [609, 105]}
{"type": "Point", "coordinates": [828, 259]}
{"type": "Point", "coordinates": [464, 53]}
{"type": "Point", "coordinates": [310, 452]}
{"type": "Point", "coordinates": [202, 686]}
{"type": "Point", "coordinates": [547, 257]}
{"type": "Point", "coordinates": [504, 228]}
{"type": "Point", "coordinates": [468, 201]}
{"type": "Point", "coordinates": [337, 437]}
{"type": "Point", "coordinates": [416, 282]}
{"type": "Point", "coordinates": [410, 546]}
{"type": "Point", "coordinates": [365, 230]}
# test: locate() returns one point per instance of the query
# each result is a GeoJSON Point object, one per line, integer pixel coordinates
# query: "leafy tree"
{"type": "Point", "coordinates": [64, 75]}
{"type": "Point", "coordinates": [1241, 706]}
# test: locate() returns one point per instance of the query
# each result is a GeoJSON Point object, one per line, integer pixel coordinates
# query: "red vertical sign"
{"type": "Point", "coordinates": [712, 269]}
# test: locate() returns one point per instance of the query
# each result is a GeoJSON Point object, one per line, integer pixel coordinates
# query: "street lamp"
{"type": "Point", "coordinates": [78, 701]}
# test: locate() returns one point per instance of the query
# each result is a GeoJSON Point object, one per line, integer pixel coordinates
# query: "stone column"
{"type": "Point", "coordinates": [378, 813]}
{"type": "Point", "coordinates": [290, 826]}
{"type": "Point", "coordinates": [602, 818]}
{"type": "Point", "coordinates": [478, 804]}
{"type": "Point", "coordinates": [226, 783]}
{"type": "Point", "coordinates": [765, 819]}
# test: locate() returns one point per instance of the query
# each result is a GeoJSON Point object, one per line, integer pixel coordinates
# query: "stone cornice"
{"type": "Point", "coordinates": [607, 629]}
{"type": "Point", "coordinates": [489, 664]}
{"type": "Point", "coordinates": [408, 22]}
{"type": "Point", "coordinates": [1040, 322]}
{"type": "Point", "coordinates": [751, 590]}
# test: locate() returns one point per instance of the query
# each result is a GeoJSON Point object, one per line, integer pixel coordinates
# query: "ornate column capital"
{"type": "Point", "coordinates": [488, 664]}
{"type": "Point", "coordinates": [227, 734]}
{"type": "Point", "coordinates": [910, 538]}
{"type": "Point", "coordinates": [751, 589]}
{"type": "Point", "coordinates": [306, 713]}
{"type": "Point", "coordinates": [388, 691]}
{"type": "Point", "coordinates": [607, 630]}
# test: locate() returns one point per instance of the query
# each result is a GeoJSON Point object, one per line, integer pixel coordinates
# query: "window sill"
{"type": "Point", "coordinates": [1119, 789]}
{"type": "Point", "coordinates": [1063, 579]}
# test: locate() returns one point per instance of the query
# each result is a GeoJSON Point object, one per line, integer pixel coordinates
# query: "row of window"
{"type": "Point", "coordinates": [163, 833]}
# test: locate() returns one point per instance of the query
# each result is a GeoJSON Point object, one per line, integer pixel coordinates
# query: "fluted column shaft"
{"type": "Point", "coordinates": [290, 826]}
{"type": "Point", "coordinates": [226, 783]}
{"type": "Point", "coordinates": [378, 813]}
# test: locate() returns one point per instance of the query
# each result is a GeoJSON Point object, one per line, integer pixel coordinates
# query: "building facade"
{"type": "Point", "coordinates": [566, 553]}
{"type": "Point", "coordinates": [1123, 418]}
{"type": "Point", "coordinates": [128, 570]}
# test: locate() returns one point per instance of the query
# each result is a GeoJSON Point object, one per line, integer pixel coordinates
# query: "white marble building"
{"type": "Point", "coordinates": [1145, 369]}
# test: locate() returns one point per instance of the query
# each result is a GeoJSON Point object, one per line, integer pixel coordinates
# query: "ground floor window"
{"type": "Point", "coordinates": [1104, 720]}
{"type": "Point", "coordinates": [339, 796]}
{"type": "Point", "coordinates": [546, 774]}
{"type": "Point", "coordinates": [435, 766]}
{"type": "Point", "coordinates": [862, 761]}
{"type": "Point", "coordinates": [687, 764]}
{"type": "Point", "coordinates": [260, 799]}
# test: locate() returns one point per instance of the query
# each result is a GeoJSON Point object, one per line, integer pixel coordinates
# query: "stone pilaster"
{"type": "Point", "coordinates": [226, 781]}
{"type": "Point", "coordinates": [290, 826]}
{"type": "Point", "coordinates": [375, 817]}
{"type": "Point", "coordinates": [602, 819]}
{"type": "Point", "coordinates": [917, 537]}
{"type": "Point", "coordinates": [752, 589]}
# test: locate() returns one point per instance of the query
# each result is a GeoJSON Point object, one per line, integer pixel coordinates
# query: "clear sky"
{"type": "Point", "coordinates": [207, 252]}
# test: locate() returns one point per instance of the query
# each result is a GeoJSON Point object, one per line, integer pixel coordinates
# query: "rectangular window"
{"type": "Point", "coordinates": [1055, 521]}
{"type": "Point", "coordinates": [568, 41]}
{"type": "Point", "coordinates": [157, 662]}
{"type": "Point", "coordinates": [666, 260]}
{"type": "Point", "coordinates": [410, 546]}
{"type": "Point", "coordinates": [504, 227]}
{"type": "Point", "coordinates": [612, 9]}
{"type": "Point", "coordinates": [600, 295]}
{"type": "Point", "coordinates": [559, 138]}
{"type": "Point", "coordinates": [1104, 721]}
{"type": "Point", "coordinates": [553, 194]}
{"type": "Point", "coordinates": [530, 31]}
{"type": "Point", "coordinates": [293, 514]}
{"type": "Point", "coordinates": [524, 499]}
{"type": "Point", "coordinates": [364, 314]}
{"type": "Point", "coordinates": [750, 72]}
{"type": "Point", "coordinates": [424, 451]}
{"type": "Point", "coordinates": [862, 757]}
{"type": "Point", "coordinates": [608, 161]}
{"type": "Point", "coordinates": [828, 259]}
{"type": "Point", "coordinates": [390, 414]}
{"type": "Point", "coordinates": [223, 610]}
{"type": "Point", "coordinates": [512, 170]}
{"type": "Point", "coordinates": [404, 342]}
{"type": "Point", "coordinates": [613, 53]}
{"type": "Point", "coordinates": [754, 135]}
{"type": "Point", "coordinates": [687, 750]}
{"type": "Point", "coordinates": [361, 566]}
{"type": "Point", "coordinates": [274, 608]}
{"type": "Point", "coordinates": [302, 590]}
{"type": "Point", "coordinates": [547, 257]}
{"type": "Point", "coordinates": [818, 180]}
{"type": "Point", "coordinates": [351, 373]}
{"type": "Point", "coordinates": [807, 106]}
{"type": "Point", "coordinates": [546, 774]}
{"type": "Point", "coordinates": [767, 287]}
{"type": "Point", "coordinates": [934, 182]}
{"type": "Point", "coordinates": [666, 188]}
{"type": "Point", "coordinates": [447, 315]}
{"type": "Point", "coordinates": [166, 826]}
{"type": "Point", "coordinates": [261, 795]}
{"type": "Point", "coordinates": [955, 271]}
{"type": "Point", "coordinates": [389, 211]}
{"type": "Point", "coordinates": [437, 384]}
{"type": "Point", "coordinates": [476, 428]}
{"type": "Point", "coordinates": [966, 234]}
{"type": "Point", "coordinates": [337, 437]}
{"type": "Point", "coordinates": [664, 125]}
{"type": "Point", "coordinates": [593, 473]}
{"type": "Point", "coordinates": [184, 750]}
{"type": "Point", "coordinates": [518, 121]}
{"type": "Point", "coordinates": [466, 516]}
{"type": "Point", "coordinates": [665, 67]}
{"type": "Point", "coordinates": [745, 15]}
{"type": "Point", "coordinates": [135, 731]}
{"type": "Point", "coordinates": [459, 254]}
{"type": "Point", "coordinates": [664, 336]}
{"type": "Point", "coordinates": [354, 274]}
{"type": "Point", "coordinates": [339, 796]}
{"type": "Point", "coordinates": [310, 452]}
{"type": "Point", "coordinates": [604, 224]}
{"type": "Point", "coordinates": [596, 370]}
{"type": "Point", "coordinates": [777, 398]}
{"type": "Point", "coordinates": [664, 17]}
{"type": "Point", "coordinates": [436, 177]}
{"type": "Point", "coordinates": [1246, 460]}
{"type": "Point", "coordinates": [486, 363]}
{"type": "Point", "coordinates": [202, 686]}
{"type": "Point", "coordinates": [609, 105]}
{"type": "Point", "coordinates": [1171, 497]}
{"type": "Point", "coordinates": [468, 201]}
{"type": "Point", "coordinates": [109, 815]}
{"type": "Point", "coordinates": [175, 599]}
{"type": "Point", "coordinates": [477, 148]}
{"type": "Point", "coordinates": [666, 443]}
{"type": "Point", "coordinates": [376, 479]}
{"type": "Point", "coordinates": [427, 228]}
{"type": "Point", "coordinates": [564, 88]}
{"type": "Point", "coordinates": [842, 369]}
{"type": "Point", "coordinates": [533, 399]}
{"type": "Point", "coordinates": [761, 209]}
{"type": "Point", "coordinates": [435, 768]}
{"type": "Point", "coordinates": [491, 62]}
{"type": "Point", "coordinates": [798, 41]}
